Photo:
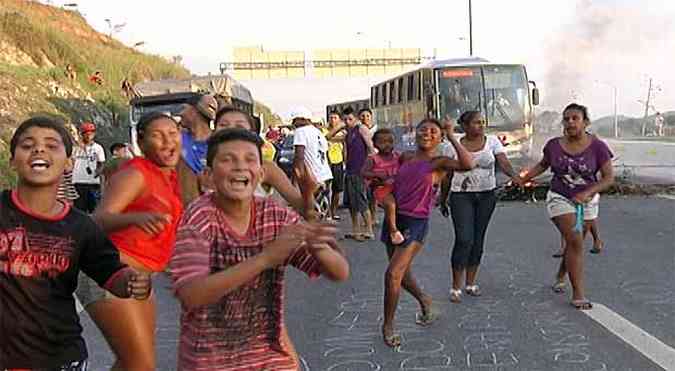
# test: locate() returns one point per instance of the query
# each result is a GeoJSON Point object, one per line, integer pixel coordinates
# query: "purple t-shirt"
{"type": "Point", "coordinates": [414, 189]}
{"type": "Point", "coordinates": [575, 173]}
{"type": "Point", "coordinates": [357, 151]}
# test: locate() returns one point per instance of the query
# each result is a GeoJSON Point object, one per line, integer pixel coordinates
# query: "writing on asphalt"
{"type": "Point", "coordinates": [487, 340]}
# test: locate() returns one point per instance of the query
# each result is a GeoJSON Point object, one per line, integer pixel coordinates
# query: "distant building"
{"type": "Point", "coordinates": [255, 63]}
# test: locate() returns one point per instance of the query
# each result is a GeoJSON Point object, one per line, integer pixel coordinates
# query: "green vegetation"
{"type": "Point", "coordinates": [45, 40]}
{"type": "Point", "coordinates": [7, 175]}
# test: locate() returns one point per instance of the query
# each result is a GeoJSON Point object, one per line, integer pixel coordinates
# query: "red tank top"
{"type": "Point", "coordinates": [161, 195]}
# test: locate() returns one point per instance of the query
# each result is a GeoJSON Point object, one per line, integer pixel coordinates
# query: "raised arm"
{"type": "Point", "coordinates": [277, 179]}
{"type": "Point", "coordinates": [336, 134]}
{"type": "Point", "coordinates": [365, 134]}
{"type": "Point", "coordinates": [124, 187]}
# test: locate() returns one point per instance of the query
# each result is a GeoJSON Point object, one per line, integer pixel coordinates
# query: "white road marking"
{"type": "Point", "coordinates": [651, 347]}
{"type": "Point", "coordinates": [668, 197]}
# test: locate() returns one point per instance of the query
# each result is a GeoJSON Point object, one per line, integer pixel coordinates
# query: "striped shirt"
{"type": "Point", "coordinates": [67, 191]}
{"type": "Point", "coordinates": [243, 331]}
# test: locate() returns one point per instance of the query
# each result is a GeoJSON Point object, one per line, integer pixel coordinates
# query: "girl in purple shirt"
{"type": "Point", "coordinates": [407, 211]}
{"type": "Point", "coordinates": [575, 159]}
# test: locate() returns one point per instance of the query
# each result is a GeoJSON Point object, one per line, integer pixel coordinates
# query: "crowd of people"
{"type": "Point", "coordinates": [200, 204]}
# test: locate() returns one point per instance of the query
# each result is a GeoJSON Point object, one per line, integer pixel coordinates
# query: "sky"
{"type": "Point", "coordinates": [574, 49]}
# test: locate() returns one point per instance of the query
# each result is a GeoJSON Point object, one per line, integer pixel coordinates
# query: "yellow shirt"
{"type": "Point", "coordinates": [334, 150]}
{"type": "Point", "coordinates": [268, 151]}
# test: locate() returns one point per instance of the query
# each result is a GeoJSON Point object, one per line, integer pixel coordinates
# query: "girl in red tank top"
{"type": "Point", "coordinates": [140, 211]}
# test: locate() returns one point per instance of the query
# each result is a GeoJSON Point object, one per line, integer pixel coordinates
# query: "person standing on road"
{"type": "Point", "coordinates": [358, 145]}
{"type": "Point", "coordinates": [310, 160]}
{"type": "Point", "coordinates": [140, 211]}
{"type": "Point", "coordinates": [575, 159]}
{"type": "Point", "coordinates": [366, 119]}
{"type": "Point", "coordinates": [196, 118]}
{"type": "Point", "coordinates": [230, 260]}
{"type": "Point", "coordinates": [336, 161]}
{"type": "Point", "coordinates": [45, 243]}
{"type": "Point", "coordinates": [406, 224]}
{"type": "Point", "coordinates": [89, 157]}
{"type": "Point", "coordinates": [473, 200]}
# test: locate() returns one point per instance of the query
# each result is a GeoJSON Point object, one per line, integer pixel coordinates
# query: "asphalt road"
{"type": "Point", "coordinates": [518, 323]}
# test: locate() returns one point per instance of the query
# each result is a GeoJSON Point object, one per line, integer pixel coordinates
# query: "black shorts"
{"type": "Point", "coordinates": [338, 183]}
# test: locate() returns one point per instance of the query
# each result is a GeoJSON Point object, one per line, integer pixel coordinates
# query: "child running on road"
{"type": "Point", "coordinates": [44, 243]}
{"type": "Point", "coordinates": [407, 211]}
{"type": "Point", "coordinates": [381, 168]}
{"type": "Point", "coordinates": [229, 263]}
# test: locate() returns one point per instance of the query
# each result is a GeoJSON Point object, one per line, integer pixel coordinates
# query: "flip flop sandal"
{"type": "Point", "coordinates": [558, 287]}
{"type": "Point", "coordinates": [596, 250]}
{"type": "Point", "coordinates": [455, 296]}
{"type": "Point", "coordinates": [473, 290]}
{"type": "Point", "coordinates": [337, 217]}
{"type": "Point", "coordinates": [582, 304]}
{"type": "Point", "coordinates": [368, 236]}
{"type": "Point", "coordinates": [559, 254]}
{"type": "Point", "coordinates": [425, 319]}
{"type": "Point", "coordinates": [392, 341]}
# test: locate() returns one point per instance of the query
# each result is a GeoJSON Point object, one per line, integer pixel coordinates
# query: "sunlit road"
{"type": "Point", "coordinates": [518, 324]}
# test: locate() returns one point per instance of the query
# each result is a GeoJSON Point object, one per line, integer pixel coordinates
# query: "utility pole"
{"type": "Point", "coordinates": [644, 120]}
{"type": "Point", "coordinates": [616, 117]}
{"type": "Point", "coordinates": [470, 31]}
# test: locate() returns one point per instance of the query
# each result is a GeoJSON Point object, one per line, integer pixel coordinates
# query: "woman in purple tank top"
{"type": "Point", "coordinates": [575, 159]}
{"type": "Point", "coordinates": [406, 224]}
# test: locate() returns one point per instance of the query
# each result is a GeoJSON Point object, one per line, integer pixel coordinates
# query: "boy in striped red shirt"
{"type": "Point", "coordinates": [229, 262]}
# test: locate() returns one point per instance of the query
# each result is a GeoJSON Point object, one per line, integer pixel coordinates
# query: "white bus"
{"type": "Point", "coordinates": [445, 89]}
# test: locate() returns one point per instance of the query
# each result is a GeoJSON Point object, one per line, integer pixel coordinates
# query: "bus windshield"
{"type": "Point", "coordinates": [460, 89]}
{"type": "Point", "coordinates": [507, 96]}
{"type": "Point", "coordinates": [499, 92]}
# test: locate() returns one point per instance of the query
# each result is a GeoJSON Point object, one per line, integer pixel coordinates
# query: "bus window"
{"type": "Point", "coordinates": [400, 90]}
{"type": "Point", "coordinates": [506, 94]}
{"type": "Point", "coordinates": [460, 90]}
{"type": "Point", "coordinates": [391, 92]}
{"type": "Point", "coordinates": [418, 89]}
{"type": "Point", "coordinates": [411, 87]}
{"type": "Point", "coordinates": [383, 95]}
{"type": "Point", "coordinates": [373, 97]}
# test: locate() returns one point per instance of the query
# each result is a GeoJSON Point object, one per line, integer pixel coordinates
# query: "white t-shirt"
{"type": "Point", "coordinates": [316, 149]}
{"type": "Point", "coordinates": [482, 177]}
{"type": "Point", "coordinates": [87, 157]}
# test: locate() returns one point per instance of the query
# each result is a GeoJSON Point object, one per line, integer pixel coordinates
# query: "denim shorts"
{"type": "Point", "coordinates": [413, 230]}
